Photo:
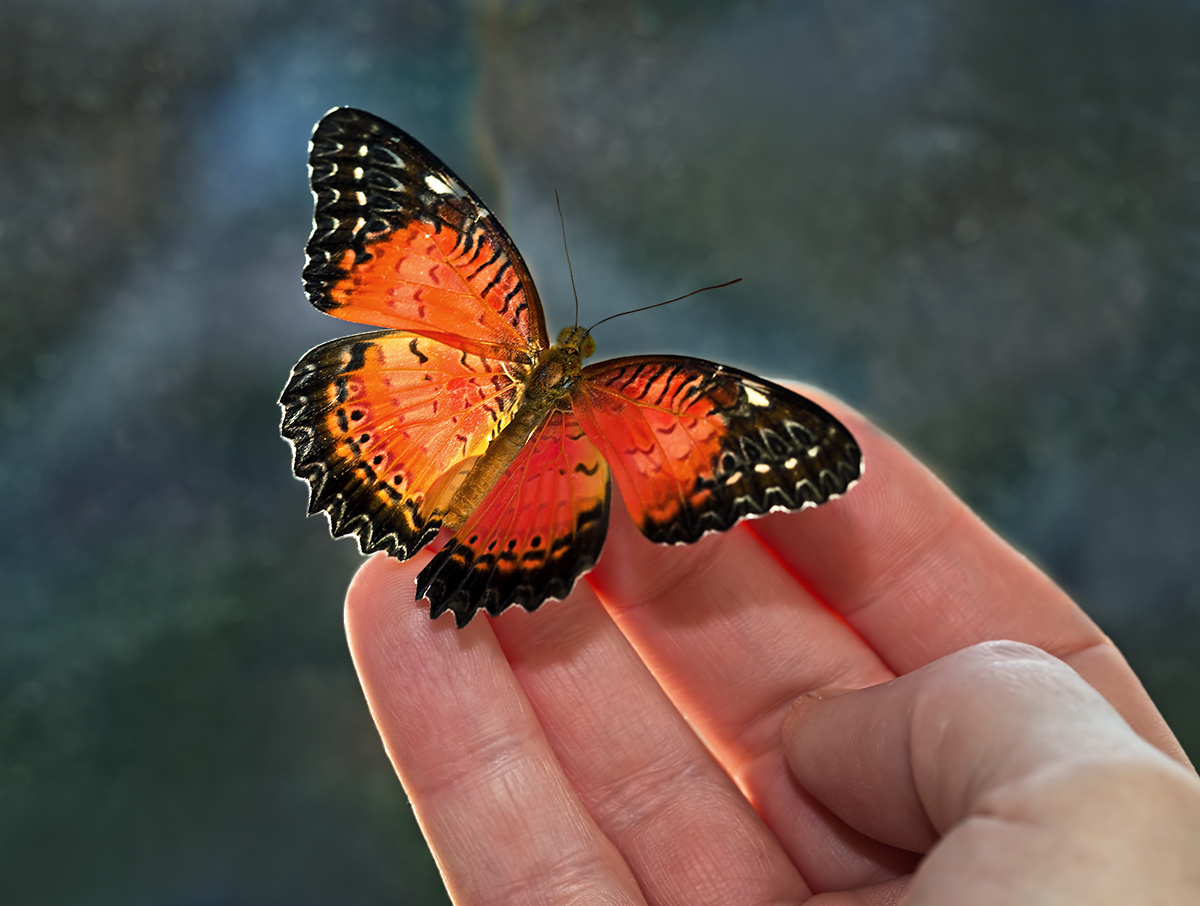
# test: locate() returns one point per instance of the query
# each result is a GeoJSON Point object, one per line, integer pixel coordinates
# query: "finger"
{"type": "Point", "coordinates": [919, 576]}
{"type": "Point", "coordinates": [680, 823]}
{"type": "Point", "coordinates": [733, 638]}
{"type": "Point", "coordinates": [501, 818]}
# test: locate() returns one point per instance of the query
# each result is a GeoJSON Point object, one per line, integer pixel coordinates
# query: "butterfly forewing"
{"type": "Point", "coordinates": [384, 425]}
{"type": "Point", "coordinates": [694, 446]}
{"type": "Point", "coordinates": [539, 529]}
{"type": "Point", "coordinates": [398, 241]}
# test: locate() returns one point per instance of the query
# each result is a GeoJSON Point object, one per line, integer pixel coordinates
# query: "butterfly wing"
{"type": "Point", "coordinates": [695, 446]}
{"type": "Point", "coordinates": [384, 426]}
{"type": "Point", "coordinates": [536, 532]}
{"type": "Point", "coordinates": [399, 241]}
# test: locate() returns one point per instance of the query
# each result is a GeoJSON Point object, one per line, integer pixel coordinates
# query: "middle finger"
{"type": "Point", "coordinates": [734, 638]}
{"type": "Point", "coordinates": [681, 824]}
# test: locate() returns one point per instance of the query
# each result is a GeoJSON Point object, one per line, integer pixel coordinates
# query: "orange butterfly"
{"type": "Point", "coordinates": [459, 414]}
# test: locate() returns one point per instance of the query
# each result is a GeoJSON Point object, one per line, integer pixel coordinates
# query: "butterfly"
{"type": "Point", "coordinates": [459, 413]}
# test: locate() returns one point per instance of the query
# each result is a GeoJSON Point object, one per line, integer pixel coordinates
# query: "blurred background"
{"type": "Point", "coordinates": [977, 221]}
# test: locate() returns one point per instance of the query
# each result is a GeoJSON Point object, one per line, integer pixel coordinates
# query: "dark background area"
{"type": "Point", "coordinates": [977, 221]}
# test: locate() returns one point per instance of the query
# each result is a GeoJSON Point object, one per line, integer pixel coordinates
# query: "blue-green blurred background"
{"type": "Point", "coordinates": [978, 221]}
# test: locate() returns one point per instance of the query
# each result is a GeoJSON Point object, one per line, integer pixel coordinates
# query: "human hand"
{"type": "Point", "coordinates": [635, 751]}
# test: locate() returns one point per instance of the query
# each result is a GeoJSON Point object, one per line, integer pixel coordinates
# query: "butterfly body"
{"type": "Point", "coordinates": [461, 415]}
{"type": "Point", "coordinates": [547, 388]}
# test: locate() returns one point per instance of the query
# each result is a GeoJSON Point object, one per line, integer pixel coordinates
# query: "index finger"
{"type": "Point", "coordinates": [918, 576]}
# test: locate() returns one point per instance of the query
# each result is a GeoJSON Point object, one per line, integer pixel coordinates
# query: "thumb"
{"type": "Point", "coordinates": [907, 760]}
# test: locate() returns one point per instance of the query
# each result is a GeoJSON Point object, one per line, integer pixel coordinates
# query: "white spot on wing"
{"type": "Point", "coordinates": [362, 197]}
{"type": "Point", "coordinates": [734, 478]}
{"type": "Point", "coordinates": [436, 185]}
{"type": "Point", "coordinates": [363, 150]}
{"type": "Point", "coordinates": [755, 398]}
{"type": "Point", "coordinates": [791, 463]}
{"type": "Point", "coordinates": [761, 468]}
{"type": "Point", "coordinates": [358, 171]}
{"type": "Point", "coordinates": [812, 452]}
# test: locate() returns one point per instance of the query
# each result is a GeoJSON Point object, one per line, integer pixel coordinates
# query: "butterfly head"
{"type": "Point", "coordinates": [577, 339]}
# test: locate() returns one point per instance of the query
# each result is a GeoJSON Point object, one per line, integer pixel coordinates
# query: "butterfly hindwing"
{"type": "Point", "coordinates": [539, 529]}
{"type": "Point", "coordinates": [383, 427]}
{"type": "Point", "coordinates": [399, 241]}
{"type": "Point", "coordinates": [695, 446]}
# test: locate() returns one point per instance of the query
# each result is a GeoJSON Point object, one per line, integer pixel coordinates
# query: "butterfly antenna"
{"type": "Point", "coordinates": [567, 252]}
{"type": "Point", "coordinates": [660, 304]}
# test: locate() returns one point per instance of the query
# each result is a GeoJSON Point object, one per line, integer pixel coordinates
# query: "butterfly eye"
{"type": "Point", "coordinates": [588, 348]}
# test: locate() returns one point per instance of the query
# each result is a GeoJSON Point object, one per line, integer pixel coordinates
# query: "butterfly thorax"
{"type": "Point", "coordinates": [548, 387]}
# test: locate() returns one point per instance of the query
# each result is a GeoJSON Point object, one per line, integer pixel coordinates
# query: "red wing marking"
{"type": "Point", "coordinates": [538, 530]}
{"type": "Point", "coordinates": [384, 426]}
{"type": "Point", "coordinates": [412, 281]}
{"type": "Point", "coordinates": [695, 446]}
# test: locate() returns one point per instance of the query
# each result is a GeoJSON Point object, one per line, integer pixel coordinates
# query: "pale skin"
{"type": "Point", "coordinates": [681, 730]}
